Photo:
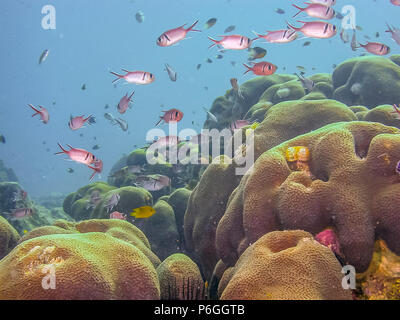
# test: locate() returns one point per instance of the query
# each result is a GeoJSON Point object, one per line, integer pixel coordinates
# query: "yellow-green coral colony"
{"type": "Point", "coordinates": [319, 195]}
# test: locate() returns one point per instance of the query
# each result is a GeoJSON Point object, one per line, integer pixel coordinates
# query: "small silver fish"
{"type": "Point", "coordinates": [395, 32]}
{"type": "Point", "coordinates": [171, 73]}
{"type": "Point", "coordinates": [112, 202]}
{"type": "Point", "coordinates": [210, 115]}
{"type": "Point", "coordinates": [139, 16]}
{"type": "Point", "coordinates": [122, 123]}
{"type": "Point", "coordinates": [44, 56]}
{"type": "Point", "coordinates": [229, 29]}
{"type": "Point", "coordinates": [308, 84]}
{"type": "Point", "coordinates": [354, 41]}
{"type": "Point", "coordinates": [109, 116]}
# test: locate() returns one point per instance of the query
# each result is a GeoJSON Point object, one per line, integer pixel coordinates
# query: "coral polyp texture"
{"type": "Point", "coordinates": [351, 190]}
{"type": "Point", "coordinates": [180, 279]}
{"type": "Point", "coordinates": [77, 266]}
{"type": "Point", "coordinates": [9, 237]}
{"type": "Point", "coordinates": [285, 265]}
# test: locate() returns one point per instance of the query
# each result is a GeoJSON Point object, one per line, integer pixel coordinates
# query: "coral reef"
{"type": "Point", "coordinates": [178, 200]}
{"type": "Point", "coordinates": [11, 199]}
{"type": "Point", "coordinates": [382, 279]}
{"type": "Point", "coordinates": [285, 265]}
{"type": "Point", "coordinates": [382, 114]}
{"type": "Point", "coordinates": [368, 81]}
{"type": "Point", "coordinates": [207, 203]}
{"type": "Point", "coordinates": [180, 279]}
{"type": "Point", "coordinates": [205, 208]}
{"type": "Point", "coordinates": [351, 190]}
{"type": "Point", "coordinates": [130, 198]}
{"type": "Point", "coordinates": [91, 266]}
{"type": "Point", "coordinates": [9, 237]}
{"type": "Point", "coordinates": [161, 230]}
{"type": "Point", "coordinates": [118, 229]}
{"type": "Point", "coordinates": [7, 174]}
{"type": "Point", "coordinates": [80, 204]}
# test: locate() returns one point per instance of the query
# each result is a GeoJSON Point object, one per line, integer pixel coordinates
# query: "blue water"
{"type": "Point", "coordinates": [95, 36]}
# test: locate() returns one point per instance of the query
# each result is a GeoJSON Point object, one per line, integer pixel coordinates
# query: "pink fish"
{"type": "Point", "coordinates": [328, 3]}
{"type": "Point", "coordinates": [316, 29]}
{"type": "Point", "coordinates": [77, 122]}
{"type": "Point", "coordinates": [232, 42]}
{"type": "Point", "coordinates": [395, 2]}
{"type": "Point", "coordinates": [395, 32]}
{"type": "Point", "coordinates": [262, 68]}
{"type": "Point", "coordinates": [20, 213]}
{"type": "Point", "coordinates": [23, 194]}
{"type": "Point", "coordinates": [172, 115]}
{"type": "Point", "coordinates": [137, 77]}
{"type": "Point", "coordinates": [123, 104]}
{"type": "Point", "coordinates": [170, 37]}
{"type": "Point", "coordinates": [78, 155]}
{"type": "Point", "coordinates": [117, 215]}
{"type": "Point", "coordinates": [44, 114]}
{"type": "Point", "coordinates": [238, 124]}
{"type": "Point", "coordinates": [376, 48]}
{"type": "Point", "coordinates": [317, 10]}
{"type": "Point", "coordinates": [97, 167]}
{"type": "Point", "coordinates": [278, 36]}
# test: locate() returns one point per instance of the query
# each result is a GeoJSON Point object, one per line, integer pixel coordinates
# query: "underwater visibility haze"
{"type": "Point", "coordinates": [200, 150]}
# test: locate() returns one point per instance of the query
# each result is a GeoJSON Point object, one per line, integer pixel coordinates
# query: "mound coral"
{"type": "Point", "coordinates": [92, 265]}
{"type": "Point", "coordinates": [178, 200]}
{"type": "Point", "coordinates": [208, 200]}
{"type": "Point", "coordinates": [383, 114]}
{"type": "Point", "coordinates": [205, 208]}
{"type": "Point", "coordinates": [284, 265]}
{"type": "Point", "coordinates": [369, 81]}
{"type": "Point", "coordinates": [119, 229]}
{"type": "Point", "coordinates": [130, 198]}
{"type": "Point", "coordinates": [351, 190]}
{"type": "Point", "coordinates": [9, 237]}
{"type": "Point", "coordinates": [165, 242]}
{"type": "Point", "coordinates": [80, 204]}
{"type": "Point", "coordinates": [180, 279]}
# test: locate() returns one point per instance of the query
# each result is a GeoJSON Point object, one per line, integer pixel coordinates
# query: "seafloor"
{"type": "Point", "coordinates": [284, 230]}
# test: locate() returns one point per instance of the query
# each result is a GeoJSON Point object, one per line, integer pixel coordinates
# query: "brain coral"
{"type": "Point", "coordinates": [118, 229]}
{"type": "Point", "coordinates": [9, 237]}
{"type": "Point", "coordinates": [382, 114]}
{"type": "Point", "coordinates": [77, 266]}
{"type": "Point", "coordinates": [285, 265]}
{"type": "Point", "coordinates": [180, 278]}
{"type": "Point", "coordinates": [369, 81]}
{"type": "Point", "coordinates": [352, 188]}
{"type": "Point", "coordinates": [207, 202]}
{"type": "Point", "coordinates": [205, 207]}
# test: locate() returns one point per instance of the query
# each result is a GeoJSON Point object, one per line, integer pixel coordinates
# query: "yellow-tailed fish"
{"type": "Point", "coordinates": [143, 212]}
